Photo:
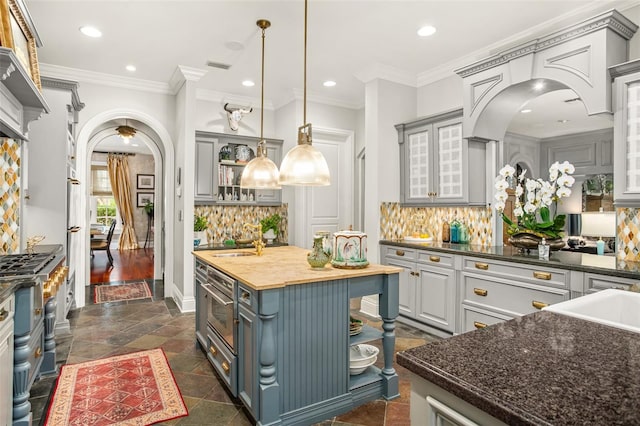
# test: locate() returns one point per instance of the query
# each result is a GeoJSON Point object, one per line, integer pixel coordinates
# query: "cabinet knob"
{"type": "Point", "coordinates": [538, 305]}
{"type": "Point", "coordinates": [483, 266]}
{"type": "Point", "coordinates": [37, 311]}
{"type": "Point", "coordinates": [478, 324]}
{"type": "Point", "coordinates": [225, 366]}
{"type": "Point", "coordinates": [38, 353]}
{"type": "Point", "coordinates": [434, 258]}
{"type": "Point", "coordinates": [213, 350]}
{"type": "Point", "coordinates": [3, 314]}
{"type": "Point", "coordinates": [542, 275]}
{"type": "Point", "coordinates": [399, 252]}
{"type": "Point", "coordinates": [480, 292]}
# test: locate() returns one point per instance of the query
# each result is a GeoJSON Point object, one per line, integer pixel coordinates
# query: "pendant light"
{"type": "Point", "coordinates": [304, 165]}
{"type": "Point", "coordinates": [261, 172]}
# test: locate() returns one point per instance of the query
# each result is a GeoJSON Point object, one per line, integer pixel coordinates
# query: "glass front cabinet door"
{"type": "Point", "coordinates": [434, 162]}
{"type": "Point", "coordinates": [626, 170]}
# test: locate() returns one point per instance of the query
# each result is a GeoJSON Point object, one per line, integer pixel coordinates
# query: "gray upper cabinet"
{"type": "Point", "coordinates": [434, 162]}
{"type": "Point", "coordinates": [219, 162]}
{"type": "Point", "coordinates": [626, 170]}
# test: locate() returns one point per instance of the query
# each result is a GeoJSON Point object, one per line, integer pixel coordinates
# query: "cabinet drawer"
{"type": "Point", "coordinates": [6, 313]}
{"type": "Point", "coordinates": [595, 282]}
{"type": "Point", "coordinates": [508, 297]}
{"type": "Point", "coordinates": [435, 258]}
{"type": "Point", "coordinates": [474, 318]}
{"type": "Point", "coordinates": [398, 253]}
{"type": "Point", "coordinates": [247, 297]}
{"type": "Point", "coordinates": [222, 360]}
{"type": "Point", "coordinates": [523, 273]}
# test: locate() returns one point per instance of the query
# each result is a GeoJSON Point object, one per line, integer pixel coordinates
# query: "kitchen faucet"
{"type": "Point", "coordinates": [258, 244]}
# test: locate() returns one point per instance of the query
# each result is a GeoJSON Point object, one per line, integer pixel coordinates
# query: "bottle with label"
{"type": "Point", "coordinates": [543, 250]}
{"type": "Point", "coordinates": [454, 233]}
{"type": "Point", "coordinates": [445, 232]}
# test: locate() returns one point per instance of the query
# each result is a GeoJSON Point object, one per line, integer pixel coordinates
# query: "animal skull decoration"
{"type": "Point", "coordinates": [235, 114]}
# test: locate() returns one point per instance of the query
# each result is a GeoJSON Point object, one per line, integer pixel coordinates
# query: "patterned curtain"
{"type": "Point", "coordinates": [121, 188]}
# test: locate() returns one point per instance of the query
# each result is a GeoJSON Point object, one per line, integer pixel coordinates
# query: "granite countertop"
{"type": "Point", "coordinates": [605, 265]}
{"type": "Point", "coordinates": [539, 369]}
{"type": "Point", "coordinates": [283, 266]}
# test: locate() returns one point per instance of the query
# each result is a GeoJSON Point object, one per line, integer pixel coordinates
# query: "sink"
{"type": "Point", "coordinates": [234, 254]}
{"type": "Point", "coordinates": [612, 307]}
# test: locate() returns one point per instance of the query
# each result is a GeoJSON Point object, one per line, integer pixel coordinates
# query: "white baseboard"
{"type": "Point", "coordinates": [185, 304]}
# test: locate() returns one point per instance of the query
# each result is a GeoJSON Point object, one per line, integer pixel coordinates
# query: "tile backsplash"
{"type": "Point", "coordinates": [9, 196]}
{"type": "Point", "coordinates": [628, 234]}
{"type": "Point", "coordinates": [227, 221]}
{"type": "Point", "coordinates": [397, 221]}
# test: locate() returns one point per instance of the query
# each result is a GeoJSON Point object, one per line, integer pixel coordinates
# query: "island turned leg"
{"type": "Point", "coordinates": [389, 309]}
{"type": "Point", "coordinates": [269, 387]}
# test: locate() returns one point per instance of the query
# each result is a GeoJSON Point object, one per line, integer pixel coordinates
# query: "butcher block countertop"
{"type": "Point", "coordinates": [281, 267]}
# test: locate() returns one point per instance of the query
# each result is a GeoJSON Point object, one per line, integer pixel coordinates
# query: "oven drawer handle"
{"type": "Point", "coordinates": [212, 291]}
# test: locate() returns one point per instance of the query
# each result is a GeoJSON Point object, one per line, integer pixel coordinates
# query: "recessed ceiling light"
{"type": "Point", "coordinates": [248, 83]}
{"type": "Point", "coordinates": [329, 83]}
{"type": "Point", "coordinates": [91, 31]}
{"type": "Point", "coordinates": [131, 68]}
{"type": "Point", "coordinates": [426, 31]}
{"type": "Point", "coordinates": [538, 86]}
{"type": "Point", "coordinates": [234, 45]}
{"type": "Point", "coordinates": [563, 121]}
{"type": "Point", "coordinates": [525, 111]}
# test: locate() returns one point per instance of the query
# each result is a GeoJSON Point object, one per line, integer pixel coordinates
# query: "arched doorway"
{"type": "Point", "coordinates": [158, 140]}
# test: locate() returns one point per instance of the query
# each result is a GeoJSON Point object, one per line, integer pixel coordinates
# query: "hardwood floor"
{"type": "Point", "coordinates": [127, 265]}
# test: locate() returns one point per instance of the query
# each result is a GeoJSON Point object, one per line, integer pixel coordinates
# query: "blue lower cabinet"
{"type": "Point", "coordinates": [247, 356]}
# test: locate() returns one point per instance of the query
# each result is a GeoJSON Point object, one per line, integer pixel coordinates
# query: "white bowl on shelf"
{"type": "Point", "coordinates": [361, 357]}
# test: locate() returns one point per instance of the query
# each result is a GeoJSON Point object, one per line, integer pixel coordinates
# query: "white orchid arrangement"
{"type": "Point", "coordinates": [534, 200]}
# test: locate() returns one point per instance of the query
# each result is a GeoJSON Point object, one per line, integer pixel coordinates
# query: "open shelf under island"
{"type": "Point", "coordinates": [288, 360]}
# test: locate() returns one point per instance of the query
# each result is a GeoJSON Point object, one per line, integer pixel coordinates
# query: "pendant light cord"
{"type": "Point", "coordinates": [262, 91]}
{"type": "Point", "coordinates": [304, 111]}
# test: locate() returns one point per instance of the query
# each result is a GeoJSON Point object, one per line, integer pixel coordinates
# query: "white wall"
{"type": "Point", "coordinates": [440, 96]}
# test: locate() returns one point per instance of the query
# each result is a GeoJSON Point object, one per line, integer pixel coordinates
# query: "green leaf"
{"type": "Point", "coordinates": [507, 220]}
{"type": "Point", "coordinates": [544, 214]}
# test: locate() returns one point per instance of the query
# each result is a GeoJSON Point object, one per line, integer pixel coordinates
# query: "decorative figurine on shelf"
{"type": "Point", "coordinates": [318, 257]}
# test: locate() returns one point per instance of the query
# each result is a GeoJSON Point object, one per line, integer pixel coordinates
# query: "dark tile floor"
{"type": "Point", "coordinates": [99, 331]}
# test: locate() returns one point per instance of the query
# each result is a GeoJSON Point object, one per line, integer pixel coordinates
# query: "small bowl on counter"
{"type": "Point", "coordinates": [361, 357]}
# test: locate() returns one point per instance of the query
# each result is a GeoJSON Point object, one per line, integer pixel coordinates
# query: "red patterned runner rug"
{"type": "Point", "coordinates": [133, 389]}
{"type": "Point", "coordinates": [116, 293]}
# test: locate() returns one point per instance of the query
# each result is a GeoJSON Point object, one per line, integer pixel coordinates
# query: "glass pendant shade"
{"type": "Point", "coordinates": [305, 166]}
{"type": "Point", "coordinates": [260, 173]}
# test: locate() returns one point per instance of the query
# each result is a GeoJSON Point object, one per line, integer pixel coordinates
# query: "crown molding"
{"type": "Point", "coordinates": [182, 74]}
{"type": "Point", "coordinates": [315, 97]}
{"type": "Point", "coordinates": [93, 77]}
{"type": "Point", "coordinates": [222, 98]}
{"type": "Point", "coordinates": [387, 72]}
{"type": "Point", "coordinates": [71, 86]}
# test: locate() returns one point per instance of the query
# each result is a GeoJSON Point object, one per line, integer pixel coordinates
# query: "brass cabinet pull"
{"type": "Point", "coordinates": [3, 314]}
{"type": "Point", "coordinates": [37, 311]}
{"type": "Point", "coordinates": [542, 275]}
{"type": "Point", "coordinates": [399, 252]}
{"type": "Point", "coordinates": [483, 266]}
{"type": "Point", "coordinates": [38, 353]}
{"type": "Point", "coordinates": [478, 324]}
{"type": "Point", "coordinates": [225, 366]}
{"type": "Point", "coordinates": [538, 305]}
{"type": "Point", "coordinates": [480, 292]}
{"type": "Point", "coordinates": [434, 258]}
{"type": "Point", "coordinates": [213, 350]}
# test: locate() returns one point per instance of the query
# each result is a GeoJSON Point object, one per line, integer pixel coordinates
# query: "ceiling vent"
{"type": "Point", "coordinates": [218, 65]}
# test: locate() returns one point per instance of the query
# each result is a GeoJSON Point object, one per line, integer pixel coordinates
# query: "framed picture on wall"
{"type": "Point", "coordinates": [146, 181]}
{"type": "Point", "coordinates": [17, 34]}
{"type": "Point", "coordinates": [144, 198]}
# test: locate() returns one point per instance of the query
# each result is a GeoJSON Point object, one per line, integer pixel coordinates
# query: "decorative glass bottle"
{"type": "Point", "coordinates": [318, 257]}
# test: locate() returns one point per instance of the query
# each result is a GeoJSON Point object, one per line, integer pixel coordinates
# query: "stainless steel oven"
{"type": "Point", "coordinates": [221, 315]}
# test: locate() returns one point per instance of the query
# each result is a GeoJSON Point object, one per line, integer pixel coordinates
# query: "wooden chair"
{"type": "Point", "coordinates": [106, 243]}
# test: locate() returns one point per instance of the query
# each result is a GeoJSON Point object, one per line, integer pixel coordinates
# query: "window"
{"type": "Point", "coordinates": [105, 210]}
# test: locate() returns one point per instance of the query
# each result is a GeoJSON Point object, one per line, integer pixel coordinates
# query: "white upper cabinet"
{"type": "Point", "coordinates": [626, 170]}
{"type": "Point", "coordinates": [434, 162]}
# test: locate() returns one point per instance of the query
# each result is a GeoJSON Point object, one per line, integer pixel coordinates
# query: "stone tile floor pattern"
{"type": "Point", "coordinates": [99, 331]}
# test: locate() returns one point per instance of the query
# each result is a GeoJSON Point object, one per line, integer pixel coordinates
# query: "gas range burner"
{"type": "Point", "coordinates": [23, 264]}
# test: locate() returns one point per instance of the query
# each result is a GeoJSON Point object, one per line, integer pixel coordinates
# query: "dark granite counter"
{"type": "Point", "coordinates": [605, 265]}
{"type": "Point", "coordinates": [539, 369]}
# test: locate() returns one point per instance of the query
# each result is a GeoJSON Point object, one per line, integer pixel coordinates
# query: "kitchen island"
{"type": "Point", "coordinates": [539, 369]}
{"type": "Point", "coordinates": [288, 360]}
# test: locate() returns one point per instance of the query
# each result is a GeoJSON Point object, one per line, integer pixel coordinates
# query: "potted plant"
{"type": "Point", "coordinates": [271, 227]}
{"type": "Point", "coordinates": [148, 208]}
{"type": "Point", "coordinates": [199, 227]}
